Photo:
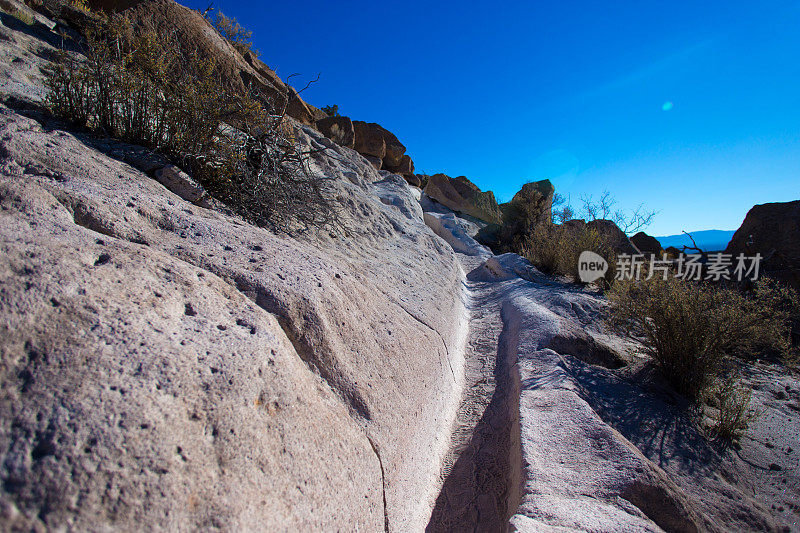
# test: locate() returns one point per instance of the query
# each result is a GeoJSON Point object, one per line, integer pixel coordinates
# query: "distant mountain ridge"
{"type": "Point", "coordinates": [712, 240]}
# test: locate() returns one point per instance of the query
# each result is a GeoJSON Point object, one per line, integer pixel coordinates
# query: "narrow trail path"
{"type": "Point", "coordinates": [476, 473]}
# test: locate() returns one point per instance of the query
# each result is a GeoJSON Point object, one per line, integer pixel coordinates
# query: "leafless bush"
{"type": "Point", "coordinates": [270, 183]}
{"type": "Point", "coordinates": [604, 209]}
{"type": "Point", "coordinates": [562, 210]}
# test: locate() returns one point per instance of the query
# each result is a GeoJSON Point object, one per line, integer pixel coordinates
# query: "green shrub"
{"type": "Point", "coordinates": [331, 110]}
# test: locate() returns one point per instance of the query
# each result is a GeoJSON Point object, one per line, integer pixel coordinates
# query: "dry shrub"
{"type": "Point", "coordinates": [734, 413]}
{"type": "Point", "coordinates": [780, 304]}
{"type": "Point", "coordinates": [240, 38]}
{"type": "Point", "coordinates": [23, 16]}
{"type": "Point", "coordinates": [555, 249]}
{"type": "Point", "coordinates": [689, 328]}
{"type": "Point", "coordinates": [147, 89]}
{"type": "Point", "coordinates": [142, 88]}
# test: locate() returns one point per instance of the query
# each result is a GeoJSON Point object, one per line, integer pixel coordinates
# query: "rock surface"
{"type": "Point", "coordinates": [463, 196]}
{"type": "Point", "coordinates": [176, 282]}
{"type": "Point", "coordinates": [180, 183]}
{"type": "Point", "coordinates": [369, 140]}
{"type": "Point", "coordinates": [647, 244]}
{"type": "Point", "coordinates": [338, 129]}
{"type": "Point", "coordinates": [404, 168]}
{"type": "Point", "coordinates": [168, 366]}
{"type": "Point", "coordinates": [772, 230]}
{"type": "Point", "coordinates": [553, 435]}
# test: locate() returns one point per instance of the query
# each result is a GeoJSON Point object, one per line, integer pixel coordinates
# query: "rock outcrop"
{"type": "Point", "coordinates": [463, 196]}
{"type": "Point", "coordinates": [608, 229]}
{"type": "Point", "coordinates": [165, 365]}
{"type": "Point", "coordinates": [534, 203]}
{"type": "Point", "coordinates": [772, 230]}
{"type": "Point", "coordinates": [395, 150]}
{"type": "Point", "coordinates": [404, 168]}
{"type": "Point", "coordinates": [198, 370]}
{"type": "Point", "coordinates": [369, 139]}
{"type": "Point", "coordinates": [527, 211]}
{"type": "Point", "coordinates": [647, 244]}
{"type": "Point", "coordinates": [338, 129]}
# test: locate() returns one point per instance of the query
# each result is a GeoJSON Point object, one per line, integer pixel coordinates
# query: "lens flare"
{"type": "Point", "coordinates": [667, 106]}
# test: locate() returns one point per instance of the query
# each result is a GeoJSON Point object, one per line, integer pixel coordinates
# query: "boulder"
{"type": "Point", "coordinates": [338, 129]}
{"type": "Point", "coordinates": [530, 208]}
{"type": "Point", "coordinates": [375, 140]}
{"type": "Point", "coordinates": [395, 150]}
{"type": "Point", "coordinates": [413, 180]}
{"type": "Point", "coordinates": [615, 236]}
{"type": "Point", "coordinates": [647, 244]}
{"type": "Point", "coordinates": [405, 168]}
{"type": "Point", "coordinates": [619, 242]}
{"type": "Point", "coordinates": [463, 196]}
{"type": "Point", "coordinates": [376, 162]}
{"type": "Point", "coordinates": [180, 183]}
{"type": "Point", "coordinates": [772, 230]}
{"type": "Point", "coordinates": [535, 199]}
{"type": "Point", "coordinates": [369, 139]}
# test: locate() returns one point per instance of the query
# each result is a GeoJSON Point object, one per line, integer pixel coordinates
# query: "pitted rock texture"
{"type": "Point", "coordinates": [367, 364]}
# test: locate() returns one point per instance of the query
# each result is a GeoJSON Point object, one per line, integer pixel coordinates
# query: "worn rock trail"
{"type": "Point", "coordinates": [476, 474]}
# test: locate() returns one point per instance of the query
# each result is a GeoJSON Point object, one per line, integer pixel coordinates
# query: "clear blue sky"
{"type": "Point", "coordinates": [692, 108]}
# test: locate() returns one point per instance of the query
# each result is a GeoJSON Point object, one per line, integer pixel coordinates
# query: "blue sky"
{"type": "Point", "coordinates": [692, 108]}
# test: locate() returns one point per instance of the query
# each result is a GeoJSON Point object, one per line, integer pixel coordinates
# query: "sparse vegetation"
{"type": "Point", "coordinates": [604, 209]}
{"type": "Point", "coordinates": [734, 413]}
{"type": "Point", "coordinates": [562, 210]}
{"type": "Point", "coordinates": [147, 89]}
{"type": "Point", "coordinates": [555, 249]}
{"type": "Point", "coordinates": [331, 110]}
{"type": "Point", "coordinates": [691, 329]}
{"type": "Point", "coordinates": [238, 36]}
{"type": "Point", "coordinates": [23, 16]}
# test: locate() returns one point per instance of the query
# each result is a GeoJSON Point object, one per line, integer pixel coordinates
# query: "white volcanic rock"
{"type": "Point", "coordinates": [448, 228]}
{"type": "Point", "coordinates": [142, 392]}
{"type": "Point", "coordinates": [366, 388]}
{"type": "Point", "coordinates": [180, 183]}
